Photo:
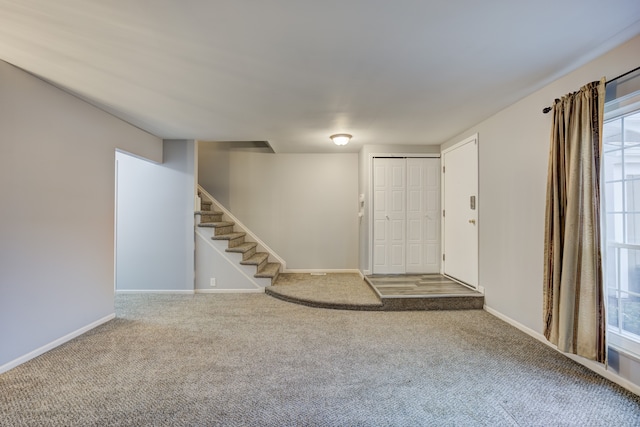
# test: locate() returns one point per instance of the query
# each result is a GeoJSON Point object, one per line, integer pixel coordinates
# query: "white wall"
{"type": "Point", "coordinates": [303, 206]}
{"type": "Point", "coordinates": [154, 220]}
{"type": "Point", "coordinates": [364, 183]}
{"type": "Point", "coordinates": [57, 156]}
{"type": "Point", "coordinates": [513, 156]}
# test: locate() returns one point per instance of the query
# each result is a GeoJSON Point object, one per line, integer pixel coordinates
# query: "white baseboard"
{"type": "Point", "coordinates": [37, 352]}
{"type": "Point", "coordinates": [230, 291]}
{"type": "Point", "coordinates": [590, 364]}
{"type": "Point", "coordinates": [155, 291]}
{"type": "Point", "coordinates": [316, 270]}
{"type": "Point", "coordinates": [191, 292]}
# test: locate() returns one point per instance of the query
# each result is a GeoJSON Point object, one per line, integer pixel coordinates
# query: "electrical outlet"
{"type": "Point", "coordinates": [212, 282]}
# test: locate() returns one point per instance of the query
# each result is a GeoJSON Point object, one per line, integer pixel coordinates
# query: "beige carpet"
{"type": "Point", "coordinates": [252, 360]}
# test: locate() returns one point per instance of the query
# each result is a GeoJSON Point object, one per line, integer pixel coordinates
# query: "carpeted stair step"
{"type": "Point", "coordinates": [259, 259]}
{"type": "Point", "coordinates": [220, 228]}
{"type": "Point", "coordinates": [247, 249]}
{"type": "Point", "coordinates": [235, 239]}
{"type": "Point", "coordinates": [269, 271]}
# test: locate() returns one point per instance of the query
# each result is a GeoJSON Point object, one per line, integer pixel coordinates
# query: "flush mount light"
{"type": "Point", "coordinates": [340, 138]}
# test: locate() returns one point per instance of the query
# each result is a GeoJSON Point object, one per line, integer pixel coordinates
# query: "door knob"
{"type": "Point", "coordinates": [387, 217]}
{"type": "Point", "coordinates": [472, 221]}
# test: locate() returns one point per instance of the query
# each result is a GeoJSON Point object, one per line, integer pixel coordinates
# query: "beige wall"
{"type": "Point", "coordinates": [57, 163]}
{"type": "Point", "coordinates": [513, 150]}
{"type": "Point", "coordinates": [303, 206]}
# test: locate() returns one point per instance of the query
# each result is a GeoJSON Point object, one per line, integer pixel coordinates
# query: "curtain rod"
{"type": "Point", "coordinates": [545, 110]}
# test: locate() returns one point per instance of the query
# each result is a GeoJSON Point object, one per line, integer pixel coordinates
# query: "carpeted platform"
{"type": "Point", "coordinates": [344, 291]}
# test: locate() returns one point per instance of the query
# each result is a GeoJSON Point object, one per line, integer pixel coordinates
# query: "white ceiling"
{"type": "Point", "coordinates": [292, 72]}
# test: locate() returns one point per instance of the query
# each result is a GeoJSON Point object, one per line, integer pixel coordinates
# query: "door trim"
{"type": "Point", "coordinates": [474, 137]}
{"type": "Point", "coordinates": [369, 196]}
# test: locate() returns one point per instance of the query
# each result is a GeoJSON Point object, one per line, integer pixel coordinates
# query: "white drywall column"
{"type": "Point", "coordinates": [154, 219]}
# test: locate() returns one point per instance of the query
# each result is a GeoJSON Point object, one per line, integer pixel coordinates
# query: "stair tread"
{"type": "Point", "coordinates": [256, 259]}
{"type": "Point", "coordinates": [217, 224]}
{"type": "Point", "coordinates": [245, 247]}
{"type": "Point", "coordinates": [229, 236]}
{"type": "Point", "coordinates": [270, 270]}
{"type": "Point", "coordinates": [210, 212]}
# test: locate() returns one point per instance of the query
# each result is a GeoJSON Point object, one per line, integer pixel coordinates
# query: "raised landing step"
{"type": "Point", "coordinates": [348, 291]}
{"type": "Point", "coordinates": [424, 292]}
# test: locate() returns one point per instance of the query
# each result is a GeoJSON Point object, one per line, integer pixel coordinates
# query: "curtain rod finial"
{"type": "Point", "coordinates": [545, 110]}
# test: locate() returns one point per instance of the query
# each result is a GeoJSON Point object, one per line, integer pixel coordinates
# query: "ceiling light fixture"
{"type": "Point", "coordinates": [340, 138]}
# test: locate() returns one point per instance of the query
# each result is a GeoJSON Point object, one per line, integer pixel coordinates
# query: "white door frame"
{"type": "Point", "coordinates": [370, 196]}
{"type": "Point", "coordinates": [471, 138]}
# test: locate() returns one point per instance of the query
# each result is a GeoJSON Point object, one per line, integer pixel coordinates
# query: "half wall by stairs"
{"type": "Point", "coordinates": [229, 258]}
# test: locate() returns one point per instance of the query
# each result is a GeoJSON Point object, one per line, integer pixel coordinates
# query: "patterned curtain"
{"type": "Point", "coordinates": [574, 317]}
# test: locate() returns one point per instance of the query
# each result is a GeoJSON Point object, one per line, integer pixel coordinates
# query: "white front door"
{"type": "Point", "coordinates": [423, 215]}
{"type": "Point", "coordinates": [460, 204]}
{"type": "Point", "coordinates": [389, 216]}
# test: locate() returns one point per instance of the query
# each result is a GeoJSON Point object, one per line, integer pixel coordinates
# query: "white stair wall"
{"type": "Point", "coordinates": [239, 227]}
{"type": "Point", "coordinates": [213, 262]}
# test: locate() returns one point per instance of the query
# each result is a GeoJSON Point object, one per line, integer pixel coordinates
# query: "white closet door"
{"type": "Point", "coordinates": [389, 210]}
{"type": "Point", "coordinates": [423, 215]}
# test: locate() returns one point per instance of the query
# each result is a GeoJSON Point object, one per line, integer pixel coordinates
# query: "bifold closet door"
{"type": "Point", "coordinates": [389, 216]}
{"type": "Point", "coordinates": [406, 206]}
{"type": "Point", "coordinates": [423, 215]}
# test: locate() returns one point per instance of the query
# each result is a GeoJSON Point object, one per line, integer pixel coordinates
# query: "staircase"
{"type": "Point", "coordinates": [224, 230]}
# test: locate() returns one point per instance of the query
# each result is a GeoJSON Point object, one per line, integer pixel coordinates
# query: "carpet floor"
{"type": "Point", "coordinates": [252, 360]}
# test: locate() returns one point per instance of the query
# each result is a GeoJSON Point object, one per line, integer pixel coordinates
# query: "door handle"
{"type": "Point", "coordinates": [387, 216]}
{"type": "Point", "coordinates": [472, 221]}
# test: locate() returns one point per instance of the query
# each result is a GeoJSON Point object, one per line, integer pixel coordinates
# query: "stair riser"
{"type": "Point", "coordinates": [236, 242]}
{"type": "Point", "coordinates": [205, 217]}
{"type": "Point", "coordinates": [219, 231]}
{"type": "Point", "coordinates": [205, 206]}
{"type": "Point", "coordinates": [248, 254]}
{"type": "Point", "coordinates": [262, 264]}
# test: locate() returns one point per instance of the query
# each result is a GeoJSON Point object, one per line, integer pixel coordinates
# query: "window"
{"type": "Point", "coordinates": [621, 219]}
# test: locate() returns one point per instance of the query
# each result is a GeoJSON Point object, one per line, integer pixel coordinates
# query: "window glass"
{"type": "Point", "coordinates": [621, 219]}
